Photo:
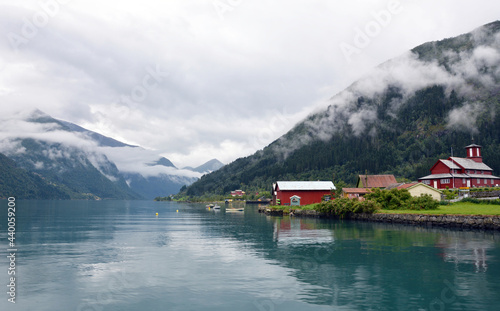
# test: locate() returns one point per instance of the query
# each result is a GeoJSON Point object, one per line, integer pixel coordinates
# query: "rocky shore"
{"type": "Point", "coordinates": [450, 221]}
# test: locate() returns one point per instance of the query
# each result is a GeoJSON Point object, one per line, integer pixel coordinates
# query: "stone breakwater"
{"type": "Point", "coordinates": [485, 194]}
{"type": "Point", "coordinates": [449, 221]}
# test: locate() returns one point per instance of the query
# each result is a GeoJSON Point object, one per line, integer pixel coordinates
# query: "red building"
{"type": "Point", "coordinates": [461, 172]}
{"type": "Point", "coordinates": [300, 192]}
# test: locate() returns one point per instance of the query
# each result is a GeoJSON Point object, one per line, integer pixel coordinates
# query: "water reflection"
{"type": "Point", "coordinates": [290, 230]}
{"type": "Point", "coordinates": [460, 250]}
{"type": "Point", "coordinates": [365, 265]}
{"type": "Point", "coordinates": [118, 255]}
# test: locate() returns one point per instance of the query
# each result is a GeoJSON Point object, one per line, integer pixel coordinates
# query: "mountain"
{"type": "Point", "coordinates": [100, 139]}
{"type": "Point", "coordinates": [18, 183]}
{"type": "Point", "coordinates": [82, 164]}
{"type": "Point", "coordinates": [399, 119]}
{"type": "Point", "coordinates": [163, 161]}
{"type": "Point", "coordinates": [78, 174]}
{"type": "Point", "coordinates": [165, 184]}
{"type": "Point", "coordinates": [47, 148]}
{"type": "Point", "coordinates": [208, 167]}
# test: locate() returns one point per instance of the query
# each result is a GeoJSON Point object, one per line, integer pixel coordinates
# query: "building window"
{"type": "Point", "coordinates": [445, 181]}
{"type": "Point", "coordinates": [427, 182]}
{"type": "Point", "coordinates": [478, 181]}
{"type": "Point", "coordinates": [464, 181]}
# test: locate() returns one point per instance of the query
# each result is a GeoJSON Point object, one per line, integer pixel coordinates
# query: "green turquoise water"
{"type": "Point", "coordinates": [118, 255]}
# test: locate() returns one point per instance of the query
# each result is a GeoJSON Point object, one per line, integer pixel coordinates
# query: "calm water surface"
{"type": "Point", "coordinates": [117, 255]}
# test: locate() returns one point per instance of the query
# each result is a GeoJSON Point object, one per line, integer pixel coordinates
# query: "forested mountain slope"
{"type": "Point", "coordinates": [399, 119]}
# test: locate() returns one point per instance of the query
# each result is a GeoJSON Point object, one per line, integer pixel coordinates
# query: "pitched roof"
{"type": "Point", "coordinates": [406, 186]}
{"type": "Point", "coordinates": [356, 190]}
{"type": "Point", "coordinates": [450, 164]}
{"type": "Point", "coordinates": [472, 145]}
{"type": "Point", "coordinates": [469, 164]}
{"type": "Point", "coordinates": [396, 185]}
{"type": "Point", "coordinates": [376, 181]}
{"type": "Point", "coordinates": [483, 176]}
{"type": "Point", "coordinates": [305, 185]}
{"type": "Point", "coordinates": [419, 184]}
{"type": "Point", "coordinates": [445, 175]}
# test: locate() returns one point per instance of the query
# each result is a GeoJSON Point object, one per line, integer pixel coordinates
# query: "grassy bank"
{"type": "Point", "coordinates": [460, 208]}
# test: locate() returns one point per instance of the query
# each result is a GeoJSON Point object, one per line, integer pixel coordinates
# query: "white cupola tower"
{"type": "Point", "coordinates": [474, 152]}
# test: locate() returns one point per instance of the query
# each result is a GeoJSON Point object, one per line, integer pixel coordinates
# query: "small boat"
{"type": "Point", "coordinates": [234, 210]}
{"type": "Point", "coordinates": [216, 207]}
{"type": "Point", "coordinates": [209, 206]}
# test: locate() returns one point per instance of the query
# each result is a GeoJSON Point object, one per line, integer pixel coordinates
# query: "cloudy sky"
{"type": "Point", "coordinates": [197, 79]}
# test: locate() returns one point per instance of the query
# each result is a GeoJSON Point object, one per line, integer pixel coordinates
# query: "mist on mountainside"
{"type": "Point", "coordinates": [399, 119]}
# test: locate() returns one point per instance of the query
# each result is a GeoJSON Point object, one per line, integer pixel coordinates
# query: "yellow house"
{"type": "Point", "coordinates": [417, 189]}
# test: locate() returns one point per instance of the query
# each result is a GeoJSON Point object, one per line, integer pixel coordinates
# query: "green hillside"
{"type": "Point", "coordinates": [18, 183]}
{"type": "Point", "coordinates": [448, 93]}
{"type": "Point", "coordinates": [71, 170]}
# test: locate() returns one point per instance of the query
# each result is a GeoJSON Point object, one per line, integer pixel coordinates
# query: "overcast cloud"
{"type": "Point", "coordinates": [198, 80]}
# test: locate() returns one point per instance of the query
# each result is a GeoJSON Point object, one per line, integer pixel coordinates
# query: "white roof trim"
{"type": "Point", "coordinates": [439, 176]}
{"type": "Point", "coordinates": [305, 185]}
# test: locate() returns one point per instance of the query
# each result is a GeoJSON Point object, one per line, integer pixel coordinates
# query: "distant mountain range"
{"type": "Point", "coordinates": [209, 167]}
{"type": "Point", "coordinates": [399, 119]}
{"type": "Point", "coordinates": [45, 158]}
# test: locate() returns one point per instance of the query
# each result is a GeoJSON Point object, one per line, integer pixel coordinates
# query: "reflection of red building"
{"type": "Point", "coordinates": [461, 250]}
{"type": "Point", "coordinates": [300, 192]}
{"type": "Point", "coordinates": [461, 172]}
{"type": "Point", "coordinates": [292, 230]}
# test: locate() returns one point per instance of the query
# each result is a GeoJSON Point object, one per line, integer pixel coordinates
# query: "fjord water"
{"type": "Point", "coordinates": [118, 255]}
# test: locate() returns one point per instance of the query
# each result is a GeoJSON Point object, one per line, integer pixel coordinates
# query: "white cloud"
{"type": "Point", "coordinates": [226, 77]}
{"type": "Point", "coordinates": [469, 74]}
{"type": "Point", "coordinates": [139, 160]}
{"type": "Point", "coordinates": [360, 119]}
{"type": "Point", "coordinates": [464, 117]}
{"type": "Point", "coordinates": [127, 159]}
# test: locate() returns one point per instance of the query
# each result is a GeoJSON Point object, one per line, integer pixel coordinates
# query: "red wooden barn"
{"type": "Point", "coordinates": [300, 192]}
{"type": "Point", "coordinates": [461, 172]}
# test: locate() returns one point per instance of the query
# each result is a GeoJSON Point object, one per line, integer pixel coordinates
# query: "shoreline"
{"type": "Point", "coordinates": [476, 222]}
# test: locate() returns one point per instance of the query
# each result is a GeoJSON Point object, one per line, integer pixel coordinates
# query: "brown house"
{"type": "Point", "coordinates": [355, 193]}
{"type": "Point", "coordinates": [375, 181]}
